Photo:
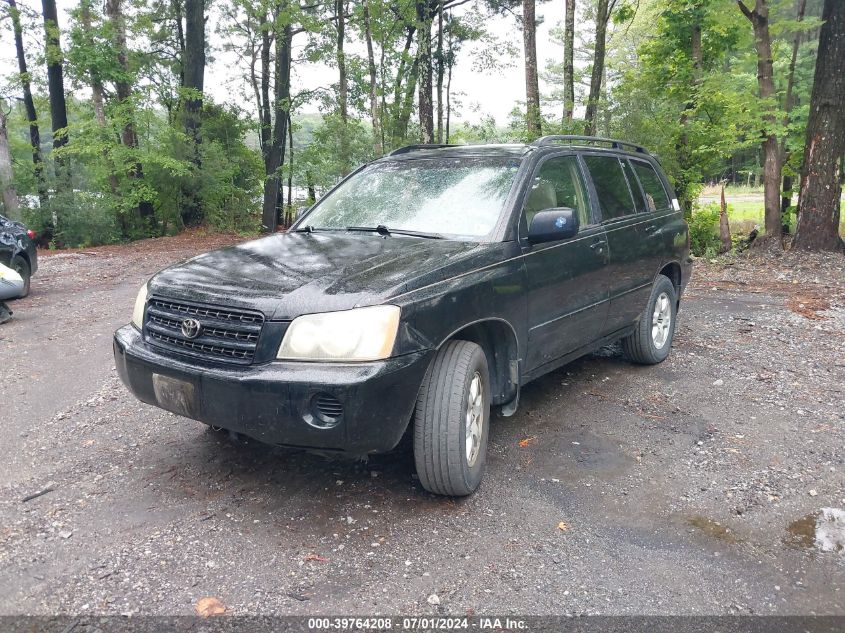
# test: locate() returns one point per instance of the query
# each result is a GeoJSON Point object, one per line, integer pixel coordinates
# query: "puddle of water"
{"type": "Point", "coordinates": [712, 528]}
{"type": "Point", "coordinates": [823, 531]}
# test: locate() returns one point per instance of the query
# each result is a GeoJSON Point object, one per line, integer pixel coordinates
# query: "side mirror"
{"type": "Point", "coordinates": [552, 225]}
{"type": "Point", "coordinates": [300, 211]}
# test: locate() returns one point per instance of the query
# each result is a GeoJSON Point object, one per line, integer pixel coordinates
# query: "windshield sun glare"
{"type": "Point", "coordinates": [451, 197]}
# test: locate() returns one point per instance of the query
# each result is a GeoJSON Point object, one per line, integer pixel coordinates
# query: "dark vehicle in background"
{"type": "Point", "coordinates": [17, 250]}
{"type": "Point", "coordinates": [424, 289]}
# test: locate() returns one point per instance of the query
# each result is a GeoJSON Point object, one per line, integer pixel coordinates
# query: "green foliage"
{"type": "Point", "coordinates": [108, 191]}
{"type": "Point", "coordinates": [319, 164]}
{"type": "Point", "coordinates": [704, 230]}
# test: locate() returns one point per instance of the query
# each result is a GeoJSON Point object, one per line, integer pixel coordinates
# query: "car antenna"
{"type": "Point", "coordinates": [381, 229]}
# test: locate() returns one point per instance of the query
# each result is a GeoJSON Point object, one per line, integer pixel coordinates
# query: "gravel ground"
{"type": "Point", "coordinates": [694, 487]}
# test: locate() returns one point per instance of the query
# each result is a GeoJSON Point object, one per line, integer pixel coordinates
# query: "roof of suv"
{"type": "Point", "coordinates": [514, 149]}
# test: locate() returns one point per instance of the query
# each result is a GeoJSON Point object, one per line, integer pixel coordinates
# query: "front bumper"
{"type": "Point", "coordinates": [276, 402]}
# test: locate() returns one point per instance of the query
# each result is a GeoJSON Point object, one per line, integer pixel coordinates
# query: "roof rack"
{"type": "Point", "coordinates": [413, 148]}
{"type": "Point", "coordinates": [586, 140]}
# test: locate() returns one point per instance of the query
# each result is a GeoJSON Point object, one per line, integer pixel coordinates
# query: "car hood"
{"type": "Point", "coordinates": [289, 274]}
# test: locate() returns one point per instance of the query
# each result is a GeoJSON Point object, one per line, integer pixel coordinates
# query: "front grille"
{"type": "Point", "coordinates": [227, 334]}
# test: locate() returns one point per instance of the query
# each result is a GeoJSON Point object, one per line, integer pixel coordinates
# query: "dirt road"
{"type": "Point", "coordinates": [692, 487]}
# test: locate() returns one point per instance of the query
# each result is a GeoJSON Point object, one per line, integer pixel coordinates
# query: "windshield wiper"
{"type": "Point", "coordinates": [381, 229]}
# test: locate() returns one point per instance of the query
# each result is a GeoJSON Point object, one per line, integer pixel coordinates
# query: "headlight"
{"type": "Point", "coordinates": [359, 334]}
{"type": "Point", "coordinates": [140, 304]}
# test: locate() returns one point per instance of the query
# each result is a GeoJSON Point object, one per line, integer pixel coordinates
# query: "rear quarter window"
{"type": "Point", "coordinates": [655, 193]}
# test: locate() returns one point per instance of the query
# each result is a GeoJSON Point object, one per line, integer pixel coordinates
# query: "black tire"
{"type": "Point", "coordinates": [641, 346]}
{"type": "Point", "coordinates": [443, 464]}
{"type": "Point", "coordinates": [21, 266]}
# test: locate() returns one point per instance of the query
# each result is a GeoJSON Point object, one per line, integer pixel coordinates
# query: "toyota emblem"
{"type": "Point", "coordinates": [191, 328]}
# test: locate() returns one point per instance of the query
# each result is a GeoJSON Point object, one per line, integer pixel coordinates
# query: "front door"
{"type": "Point", "coordinates": [567, 286]}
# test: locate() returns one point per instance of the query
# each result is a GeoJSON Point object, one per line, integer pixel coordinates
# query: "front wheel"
{"type": "Point", "coordinates": [451, 420]}
{"type": "Point", "coordinates": [651, 341]}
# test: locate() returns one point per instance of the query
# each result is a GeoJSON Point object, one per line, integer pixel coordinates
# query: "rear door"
{"type": "Point", "coordinates": [567, 284]}
{"type": "Point", "coordinates": [629, 272]}
{"type": "Point", "coordinates": [658, 208]}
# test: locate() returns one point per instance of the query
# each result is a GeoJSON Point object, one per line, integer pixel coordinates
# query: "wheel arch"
{"type": "Point", "coordinates": [25, 256]}
{"type": "Point", "coordinates": [497, 338]}
{"type": "Point", "coordinates": [672, 270]}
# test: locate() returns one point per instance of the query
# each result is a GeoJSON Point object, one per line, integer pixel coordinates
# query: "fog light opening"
{"type": "Point", "coordinates": [325, 411]}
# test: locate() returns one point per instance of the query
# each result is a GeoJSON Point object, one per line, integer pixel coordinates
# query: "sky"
{"type": "Point", "coordinates": [495, 92]}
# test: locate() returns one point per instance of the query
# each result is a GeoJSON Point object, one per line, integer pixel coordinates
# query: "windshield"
{"type": "Point", "coordinates": [453, 197]}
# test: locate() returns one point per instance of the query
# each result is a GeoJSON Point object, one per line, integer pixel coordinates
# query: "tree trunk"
{"type": "Point", "coordinates": [425, 72]}
{"type": "Point", "coordinates": [398, 131]}
{"type": "Point", "coordinates": [276, 153]}
{"type": "Point", "coordinates": [177, 6]}
{"type": "Point", "coordinates": [10, 196]}
{"type": "Point", "coordinates": [265, 114]}
{"type": "Point", "coordinates": [312, 189]}
{"type": "Point", "coordinates": [685, 160]}
{"type": "Point", "coordinates": [56, 89]}
{"type": "Point", "coordinates": [407, 104]}
{"type": "Point", "coordinates": [724, 225]}
{"type": "Point", "coordinates": [97, 98]}
{"type": "Point", "coordinates": [343, 89]}
{"type": "Point", "coordinates": [786, 196]}
{"type": "Point", "coordinates": [759, 18]}
{"type": "Point", "coordinates": [439, 56]}
{"type": "Point", "coordinates": [96, 83]}
{"type": "Point", "coordinates": [123, 88]}
{"type": "Point", "coordinates": [533, 121]}
{"type": "Point", "coordinates": [375, 115]}
{"type": "Point", "coordinates": [193, 67]}
{"type": "Point", "coordinates": [449, 86]}
{"type": "Point", "coordinates": [788, 103]}
{"type": "Point", "coordinates": [29, 107]}
{"type": "Point", "coordinates": [821, 186]}
{"type": "Point", "coordinates": [602, 17]}
{"type": "Point", "coordinates": [568, 61]}
{"type": "Point", "coordinates": [289, 213]}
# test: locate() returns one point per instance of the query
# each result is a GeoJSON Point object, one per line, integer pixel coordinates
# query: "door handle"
{"type": "Point", "coordinates": [650, 228]}
{"type": "Point", "coordinates": [598, 246]}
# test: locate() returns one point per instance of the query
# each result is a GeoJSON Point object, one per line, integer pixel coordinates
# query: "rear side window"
{"type": "Point", "coordinates": [558, 183]}
{"type": "Point", "coordinates": [655, 194]}
{"type": "Point", "coordinates": [611, 186]}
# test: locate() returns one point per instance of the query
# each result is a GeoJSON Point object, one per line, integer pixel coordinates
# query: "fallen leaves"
{"type": "Point", "coordinates": [808, 307]}
{"type": "Point", "coordinates": [562, 526]}
{"type": "Point", "coordinates": [526, 441]}
{"type": "Point", "coordinates": [316, 558]}
{"type": "Point", "coordinates": [208, 607]}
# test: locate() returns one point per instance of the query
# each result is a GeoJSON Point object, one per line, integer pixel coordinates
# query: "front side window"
{"type": "Point", "coordinates": [655, 194]}
{"type": "Point", "coordinates": [611, 186]}
{"type": "Point", "coordinates": [460, 198]}
{"type": "Point", "coordinates": [558, 183]}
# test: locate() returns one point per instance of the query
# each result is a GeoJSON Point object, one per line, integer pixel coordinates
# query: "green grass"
{"type": "Point", "coordinates": [744, 215]}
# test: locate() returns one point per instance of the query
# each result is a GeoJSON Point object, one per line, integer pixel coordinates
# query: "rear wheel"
{"type": "Point", "coordinates": [451, 421]}
{"type": "Point", "coordinates": [652, 340]}
{"type": "Point", "coordinates": [21, 266]}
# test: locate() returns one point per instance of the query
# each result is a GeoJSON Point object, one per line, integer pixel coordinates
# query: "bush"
{"type": "Point", "coordinates": [704, 230]}
{"type": "Point", "coordinates": [86, 219]}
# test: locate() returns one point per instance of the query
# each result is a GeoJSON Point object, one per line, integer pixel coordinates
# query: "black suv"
{"type": "Point", "coordinates": [424, 289]}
